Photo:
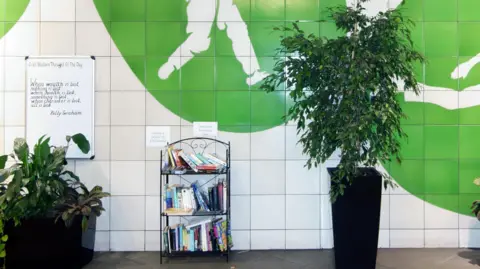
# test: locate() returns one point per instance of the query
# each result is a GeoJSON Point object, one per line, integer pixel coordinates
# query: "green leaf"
{"type": "Point", "coordinates": [477, 181]}
{"type": "Point", "coordinates": [81, 141]}
{"type": "Point", "coordinates": [84, 223]}
{"type": "Point", "coordinates": [20, 147]}
{"type": "Point", "coordinates": [5, 238]}
{"type": "Point", "coordinates": [3, 253]}
{"type": "Point", "coordinates": [3, 161]}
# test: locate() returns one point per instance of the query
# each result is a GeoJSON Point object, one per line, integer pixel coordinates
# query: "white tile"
{"type": "Point", "coordinates": [447, 99]}
{"type": "Point", "coordinates": [102, 74]}
{"type": "Point", "coordinates": [157, 114]}
{"type": "Point", "coordinates": [438, 218]}
{"type": "Point", "coordinates": [384, 239]}
{"type": "Point", "coordinates": [103, 222]}
{"type": "Point", "coordinates": [293, 147]}
{"type": "Point", "coordinates": [92, 39]}
{"type": "Point", "coordinates": [265, 240]}
{"type": "Point", "coordinates": [10, 134]}
{"type": "Point", "coordinates": [385, 212]}
{"type": "Point", "coordinates": [407, 212]}
{"type": "Point", "coordinates": [325, 177]}
{"type": "Point", "coordinates": [102, 241]}
{"type": "Point", "coordinates": [153, 153]}
{"type": "Point", "coordinates": [239, 144]}
{"type": "Point", "coordinates": [102, 143]}
{"type": "Point", "coordinates": [268, 177]}
{"type": "Point", "coordinates": [14, 108]}
{"type": "Point", "coordinates": [372, 7]}
{"type": "Point", "coordinates": [127, 213]}
{"type": "Point", "coordinates": [128, 143]}
{"type": "Point", "coordinates": [302, 239]}
{"type": "Point", "coordinates": [124, 78]}
{"type": "Point", "coordinates": [241, 240]}
{"type": "Point", "coordinates": [326, 238]}
{"type": "Point", "coordinates": [152, 178]}
{"type": "Point", "coordinates": [469, 98]}
{"type": "Point", "coordinates": [85, 10]}
{"type": "Point", "coordinates": [102, 108]}
{"type": "Point", "coordinates": [57, 38]}
{"type": "Point", "coordinates": [300, 179]}
{"type": "Point", "coordinates": [134, 101]}
{"type": "Point", "coordinates": [240, 177]}
{"type": "Point", "coordinates": [152, 213]}
{"type": "Point", "coordinates": [269, 144]}
{"type": "Point", "coordinates": [326, 212]}
{"type": "Point", "coordinates": [152, 241]}
{"type": "Point", "coordinates": [268, 212]}
{"type": "Point", "coordinates": [128, 178]}
{"type": "Point", "coordinates": [94, 173]}
{"type": "Point", "coordinates": [32, 12]}
{"type": "Point", "coordinates": [23, 39]}
{"type": "Point", "coordinates": [15, 80]}
{"type": "Point", "coordinates": [240, 209]}
{"type": "Point", "coordinates": [468, 222]}
{"type": "Point", "coordinates": [469, 238]}
{"type": "Point", "coordinates": [2, 68]}
{"type": "Point", "coordinates": [57, 10]}
{"type": "Point", "coordinates": [2, 141]}
{"type": "Point", "coordinates": [442, 238]}
{"type": "Point", "coordinates": [127, 241]}
{"type": "Point", "coordinates": [407, 238]}
{"type": "Point", "coordinates": [303, 212]}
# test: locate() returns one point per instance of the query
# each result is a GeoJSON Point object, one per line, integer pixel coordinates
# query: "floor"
{"type": "Point", "coordinates": [308, 259]}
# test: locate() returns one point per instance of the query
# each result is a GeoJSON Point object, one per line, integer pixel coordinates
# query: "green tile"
{"type": "Point", "coordinates": [244, 6]}
{"type": "Point", "coordinates": [435, 114]}
{"type": "Point", "coordinates": [468, 43]}
{"type": "Point", "coordinates": [166, 10]}
{"type": "Point", "coordinates": [202, 101]}
{"type": "Point", "coordinates": [469, 146]}
{"type": "Point", "coordinates": [413, 146]}
{"type": "Point", "coordinates": [329, 30]}
{"type": "Point", "coordinates": [441, 142]}
{"type": "Point", "coordinates": [13, 9]}
{"type": "Point", "coordinates": [414, 111]}
{"type": "Point", "coordinates": [154, 82]}
{"type": "Point", "coordinates": [302, 10]}
{"type": "Point", "coordinates": [438, 71]}
{"type": "Point", "coordinates": [229, 74]}
{"type": "Point", "coordinates": [267, 107]}
{"type": "Point", "coordinates": [267, 39]}
{"type": "Point", "coordinates": [267, 10]}
{"type": "Point", "coordinates": [124, 32]}
{"type": "Point", "coordinates": [137, 65]}
{"type": "Point", "coordinates": [266, 65]}
{"type": "Point", "coordinates": [469, 170]}
{"type": "Point", "coordinates": [473, 77]}
{"type": "Point", "coordinates": [169, 99]}
{"type": "Point", "coordinates": [446, 201]}
{"type": "Point", "coordinates": [128, 10]}
{"type": "Point", "coordinates": [307, 27]}
{"type": "Point", "coordinates": [198, 74]}
{"type": "Point", "coordinates": [436, 31]}
{"type": "Point", "coordinates": [440, 176]}
{"type": "Point", "coordinates": [418, 37]}
{"type": "Point", "coordinates": [224, 45]}
{"type": "Point", "coordinates": [233, 107]}
{"type": "Point", "coordinates": [468, 10]}
{"type": "Point", "coordinates": [470, 115]}
{"type": "Point", "coordinates": [2, 11]}
{"type": "Point", "coordinates": [235, 128]}
{"type": "Point", "coordinates": [446, 11]}
{"type": "Point", "coordinates": [325, 5]}
{"type": "Point", "coordinates": [411, 175]}
{"type": "Point", "coordinates": [412, 10]}
{"type": "Point", "coordinates": [465, 202]}
{"type": "Point", "coordinates": [157, 44]}
{"type": "Point", "coordinates": [104, 9]}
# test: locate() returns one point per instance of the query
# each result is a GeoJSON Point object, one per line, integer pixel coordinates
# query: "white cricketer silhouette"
{"type": "Point", "coordinates": [201, 15]}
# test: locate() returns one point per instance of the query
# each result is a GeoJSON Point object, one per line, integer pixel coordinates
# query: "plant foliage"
{"type": "Point", "coordinates": [344, 90]}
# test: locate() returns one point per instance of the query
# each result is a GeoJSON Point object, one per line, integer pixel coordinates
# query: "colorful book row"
{"type": "Point", "coordinates": [178, 159]}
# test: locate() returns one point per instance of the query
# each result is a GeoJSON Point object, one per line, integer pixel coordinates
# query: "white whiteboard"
{"type": "Point", "coordinates": [60, 100]}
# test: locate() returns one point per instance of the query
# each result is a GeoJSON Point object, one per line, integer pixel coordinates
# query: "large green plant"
{"type": "Point", "coordinates": [344, 90]}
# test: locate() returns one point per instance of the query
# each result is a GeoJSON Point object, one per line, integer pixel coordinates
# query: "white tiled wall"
{"type": "Point", "coordinates": [276, 203]}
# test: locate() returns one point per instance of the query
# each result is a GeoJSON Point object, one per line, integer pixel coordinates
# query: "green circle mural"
{"type": "Point", "coordinates": [10, 12]}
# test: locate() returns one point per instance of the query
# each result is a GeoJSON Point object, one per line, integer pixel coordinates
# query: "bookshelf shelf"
{"type": "Point", "coordinates": [211, 236]}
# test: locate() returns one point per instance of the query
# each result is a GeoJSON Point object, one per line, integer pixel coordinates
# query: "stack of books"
{"type": "Point", "coordinates": [178, 160]}
{"type": "Point", "coordinates": [205, 235]}
{"type": "Point", "coordinates": [186, 200]}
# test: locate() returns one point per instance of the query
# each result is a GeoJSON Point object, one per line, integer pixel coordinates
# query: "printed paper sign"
{"type": "Point", "coordinates": [157, 136]}
{"type": "Point", "coordinates": [205, 129]}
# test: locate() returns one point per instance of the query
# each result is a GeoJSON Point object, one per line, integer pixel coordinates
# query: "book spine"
{"type": "Point", "coordinates": [220, 196]}
{"type": "Point", "coordinates": [216, 159]}
{"type": "Point", "coordinates": [172, 162]}
{"type": "Point", "coordinates": [225, 196]}
{"type": "Point", "coordinates": [195, 159]}
{"type": "Point", "coordinates": [188, 161]}
{"type": "Point", "coordinates": [216, 207]}
{"type": "Point", "coordinates": [224, 235]}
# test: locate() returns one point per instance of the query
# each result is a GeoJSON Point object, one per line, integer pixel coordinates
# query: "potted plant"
{"type": "Point", "coordinates": [345, 99]}
{"type": "Point", "coordinates": [44, 208]}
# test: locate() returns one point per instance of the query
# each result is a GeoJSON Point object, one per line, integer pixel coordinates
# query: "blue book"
{"type": "Point", "coordinates": [192, 240]}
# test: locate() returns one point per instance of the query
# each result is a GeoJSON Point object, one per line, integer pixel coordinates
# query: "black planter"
{"type": "Point", "coordinates": [356, 221]}
{"type": "Point", "coordinates": [88, 242]}
{"type": "Point", "coordinates": [42, 243]}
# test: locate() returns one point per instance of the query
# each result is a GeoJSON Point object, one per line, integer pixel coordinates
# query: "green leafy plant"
{"type": "Point", "coordinates": [476, 204]}
{"type": "Point", "coordinates": [345, 90]}
{"type": "Point", "coordinates": [39, 185]}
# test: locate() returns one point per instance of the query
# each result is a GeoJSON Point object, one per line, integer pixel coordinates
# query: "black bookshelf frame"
{"type": "Point", "coordinates": [197, 145]}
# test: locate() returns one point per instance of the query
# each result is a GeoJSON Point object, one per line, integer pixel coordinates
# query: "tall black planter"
{"type": "Point", "coordinates": [356, 220]}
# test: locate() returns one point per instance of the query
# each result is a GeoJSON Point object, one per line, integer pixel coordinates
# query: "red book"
{"type": "Point", "coordinates": [220, 195]}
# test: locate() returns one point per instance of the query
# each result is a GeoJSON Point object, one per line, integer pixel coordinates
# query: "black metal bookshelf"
{"type": "Point", "coordinates": [195, 145]}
